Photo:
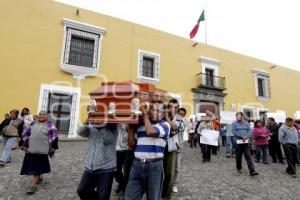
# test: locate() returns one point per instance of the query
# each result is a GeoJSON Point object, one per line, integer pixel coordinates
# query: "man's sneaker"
{"type": "Point", "coordinates": [175, 190]}
{"type": "Point", "coordinates": [294, 175]}
{"type": "Point", "coordinates": [227, 155]}
{"type": "Point", "coordinates": [239, 171]}
{"type": "Point", "coordinates": [2, 164]}
{"type": "Point", "coordinates": [265, 162]}
{"type": "Point", "coordinates": [31, 190]}
{"type": "Point", "coordinates": [253, 174]}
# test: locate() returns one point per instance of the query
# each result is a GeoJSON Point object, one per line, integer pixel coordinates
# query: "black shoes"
{"type": "Point", "coordinates": [2, 164]}
{"type": "Point", "coordinates": [253, 174]}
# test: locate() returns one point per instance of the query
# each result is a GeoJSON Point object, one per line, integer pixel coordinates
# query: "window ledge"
{"type": "Point", "coordinates": [79, 72]}
{"type": "Point", "coordinates": [148, 80]}
{"type": "Point", "coordinates": [263, 99]}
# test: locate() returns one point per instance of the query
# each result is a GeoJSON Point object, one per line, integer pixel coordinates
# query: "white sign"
{"type": "Point", "coordinates": [278, 116]}
{"type": "Point", "coordinates": [209, 137]}
{"type": "Point", "coordinates": [199, 116]}
{"type": "Point", "coordinates": [242, 142]}
{"type": "Point", "coordinates": [297, 115]}
{"type": "Point", "coordinates": [227, 117]}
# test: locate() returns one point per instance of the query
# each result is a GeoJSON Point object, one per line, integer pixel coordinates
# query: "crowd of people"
{"type": "Point", "coordinates": [146, 159]}
{"type": "Point", "coordinates": [36, 136]}
{"type": "Point", "coordinates": [258, 141]}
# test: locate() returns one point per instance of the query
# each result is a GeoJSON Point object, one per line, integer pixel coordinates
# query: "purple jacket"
{"type": "Point", "coordinates": [261, 135]}
{"type": "Point", "coordinates": [52, 135]}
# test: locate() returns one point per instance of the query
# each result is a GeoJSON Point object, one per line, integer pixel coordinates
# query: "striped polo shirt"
{"type": "Point", "coordinates": [152, 147]}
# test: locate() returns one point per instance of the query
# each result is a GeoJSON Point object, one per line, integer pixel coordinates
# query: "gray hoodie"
{"type": "Point", "coordinates": [101, 153]}
{"type": "Point", "coordinates": [288, 135]}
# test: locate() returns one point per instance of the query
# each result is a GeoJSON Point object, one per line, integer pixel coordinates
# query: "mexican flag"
{"type": "Point", "coordinates": [195, 29]}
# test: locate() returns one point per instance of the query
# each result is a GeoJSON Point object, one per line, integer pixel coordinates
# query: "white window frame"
{"type": "Point", "coordinates": [254, 110]}
{"type": "Point", "coordinates": [45, 89]}
{"type": "Point", "coordinates": [266, 110]}
{"type": "Point", "coordinates": [156, 57]}
{"type": "Point", "coordinates": [210, 63]}
{"type": "Point", "coordinates": [80, 72]}
{"type": "Point", "coordinates": [297, 114]}
{"type": "Point", "coordinates": [260, 74]}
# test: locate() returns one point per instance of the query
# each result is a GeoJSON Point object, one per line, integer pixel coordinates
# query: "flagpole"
{"type": "Point", "coordinates": [205, 8]}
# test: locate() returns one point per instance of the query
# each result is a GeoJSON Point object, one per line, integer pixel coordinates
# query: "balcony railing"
{"type": "Point", "coordinates": [211, 81]}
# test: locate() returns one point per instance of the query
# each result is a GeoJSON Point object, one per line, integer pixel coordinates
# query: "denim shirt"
{"type": "Point", "coordinates": [241, 129]}
{"type": "Point", "coordinates": [101, 152]}
{"type": "Point", "coordinates": [288, 135]}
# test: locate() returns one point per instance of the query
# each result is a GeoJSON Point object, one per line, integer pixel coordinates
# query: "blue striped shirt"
{"type": "Point", "coordinates": [152, 147]}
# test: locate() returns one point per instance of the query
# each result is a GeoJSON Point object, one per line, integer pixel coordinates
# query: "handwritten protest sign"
{"type": "Point", "coordinates": [209, 137]}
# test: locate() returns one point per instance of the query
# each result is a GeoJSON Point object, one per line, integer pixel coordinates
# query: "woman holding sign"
{"type": "Point", "coordinates": [205, 147]}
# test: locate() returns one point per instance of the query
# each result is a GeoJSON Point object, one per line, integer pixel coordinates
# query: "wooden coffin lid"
{"type": "Point", "coordinates": [130, 87]}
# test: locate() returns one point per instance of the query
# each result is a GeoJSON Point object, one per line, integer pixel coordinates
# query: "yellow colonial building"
{"type": "Point", "coordinates": [52, 55]}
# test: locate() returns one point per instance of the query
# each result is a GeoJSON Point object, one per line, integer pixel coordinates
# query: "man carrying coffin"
{"type": "Point", "coordinates": [97, 179]}
{"type": "Point", "coordinates": [147, 169]}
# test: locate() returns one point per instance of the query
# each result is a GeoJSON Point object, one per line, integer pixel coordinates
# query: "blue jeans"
{"type": "Point", "coordinates": [95, 185]}
{"type": "Point", "coordinates": [7, 144]}
{"type": "Point", "coordinates": [262, 149]}
{"type": "Point", "coordinates": [230, 145]}
{"type": "Point", "coordinates": [145, 177]}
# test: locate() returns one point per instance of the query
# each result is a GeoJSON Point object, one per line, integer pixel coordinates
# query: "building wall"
{"type": "Point", "coordinates": [31, 45]}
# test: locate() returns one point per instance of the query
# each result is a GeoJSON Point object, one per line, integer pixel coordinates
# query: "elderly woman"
{"type": "Point", "coordinates": [205, 148]}
{"type": "Point", "coordinates": [27, 120]}
{"type": "Point", "coordinates": [11, 129]}
{"type": "Point", "coordinates": [40, 140]}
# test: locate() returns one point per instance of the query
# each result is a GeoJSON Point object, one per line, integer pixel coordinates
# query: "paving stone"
{"type": "Point", "coordinates": [215, 180]}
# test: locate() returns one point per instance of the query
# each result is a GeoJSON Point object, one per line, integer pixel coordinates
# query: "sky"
{"type": "Point", "coordinates": [264, 29]}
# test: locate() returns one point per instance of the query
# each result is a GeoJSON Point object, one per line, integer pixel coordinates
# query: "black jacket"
{"type": "Point", "coordinates": [274, 133]}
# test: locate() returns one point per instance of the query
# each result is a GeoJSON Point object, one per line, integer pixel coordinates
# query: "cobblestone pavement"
{"type": "Point", "coordinates": [215, 180]}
